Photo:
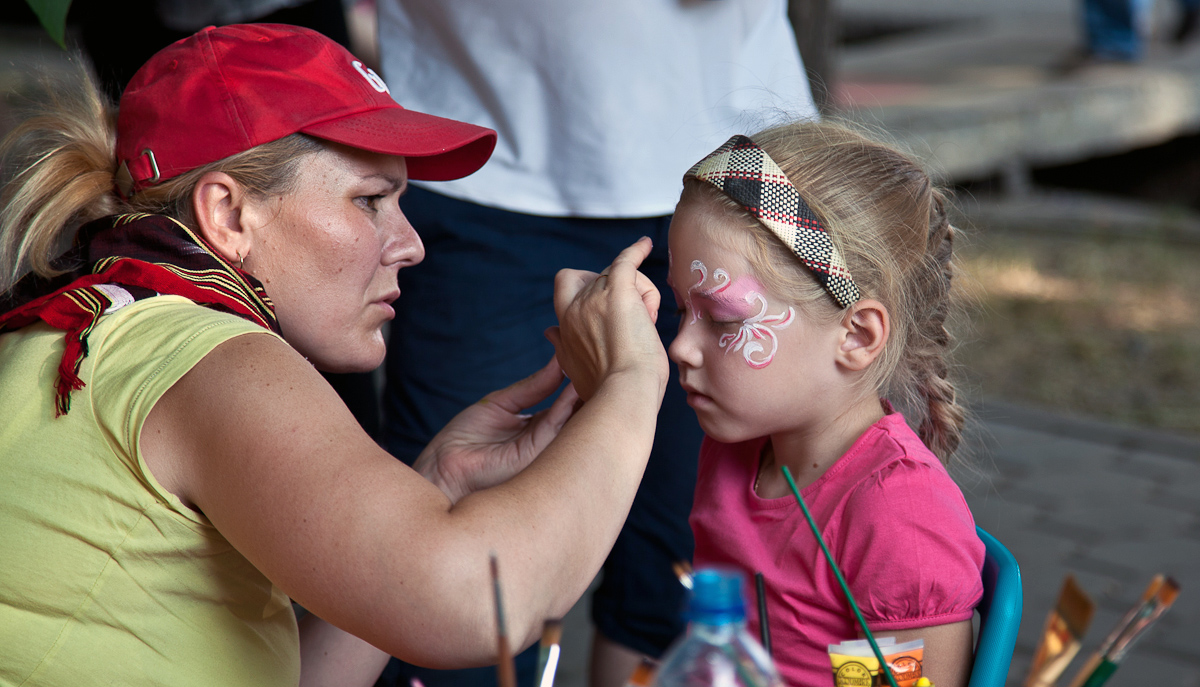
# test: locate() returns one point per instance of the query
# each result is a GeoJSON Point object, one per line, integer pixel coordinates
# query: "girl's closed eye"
{"type": "Point", "coordinates": [731, 311]}
{"type": "Point", "coordinates": [727, 323]}
{"type": "Point", "coordinates": [720, 319]}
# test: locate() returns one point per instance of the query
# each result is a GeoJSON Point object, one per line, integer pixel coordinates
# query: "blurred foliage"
{"type": "Point", "coordinates": [53, 15]}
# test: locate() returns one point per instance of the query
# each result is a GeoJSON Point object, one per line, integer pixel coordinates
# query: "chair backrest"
{"type": "Point", "coordinates": [999, 615]}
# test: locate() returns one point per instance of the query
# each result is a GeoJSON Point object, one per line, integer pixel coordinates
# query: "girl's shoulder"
{"type": "Point", "coordinates": [890, 445]}
{"type": "Point", "coordinates": [893, 476]}
{"type": "Point", "coordinates": [905, 528]}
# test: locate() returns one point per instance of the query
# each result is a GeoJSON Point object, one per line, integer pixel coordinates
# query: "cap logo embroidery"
{"type": "Point", "coordinates": [371, 77]}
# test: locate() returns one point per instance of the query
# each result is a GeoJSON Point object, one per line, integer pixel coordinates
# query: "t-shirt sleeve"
{"type": "Point", "coordinates": [909, 550]}
{"type": "Point", "coordinates": [141, 351]}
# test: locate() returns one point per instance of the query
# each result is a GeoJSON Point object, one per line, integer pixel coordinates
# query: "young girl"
{"type": "Point", "coordinates": [813, 269]}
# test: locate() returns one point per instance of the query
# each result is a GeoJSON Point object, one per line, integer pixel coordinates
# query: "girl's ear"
{"type": "Point", "coordinates": [865, 329]}
{"type": "Point", "coordinates": [220, 206]}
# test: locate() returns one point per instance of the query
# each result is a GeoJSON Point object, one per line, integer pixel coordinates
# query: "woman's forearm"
{"type": "Point", "coordinates": [551, 528]}
{"type": "Point", "coordinates": [573, 499]}
{"type": "Point", "coordinates": [279, 466]}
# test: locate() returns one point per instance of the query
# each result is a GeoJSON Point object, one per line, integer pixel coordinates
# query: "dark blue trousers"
{"type": "Point", "coordinates": [470, 320]}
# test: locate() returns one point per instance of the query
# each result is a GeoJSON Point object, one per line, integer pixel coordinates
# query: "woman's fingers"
{"type": "Point", "coordinates": [529, 391]}
{"type": "Point", "coordinates": [602, 327]}
{"type": "Point", "coordinates": [569, 283]}
{"type": "Point", "coordinates": [562, 409]}
{"type": "Point", "coordinates": [554, 336]}
{"type": "Point", "coordinates": [651, 298]}
{"type": "Point", "coordinates": [631, 258]}
{"type": "Point", "coordinates": [567, 286]}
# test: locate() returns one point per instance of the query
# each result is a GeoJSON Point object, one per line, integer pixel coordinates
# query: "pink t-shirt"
{"type": "Point", "coordinates": [895, 522]}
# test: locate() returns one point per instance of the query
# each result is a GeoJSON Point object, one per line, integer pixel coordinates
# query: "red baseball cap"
{"type": "Point", "coordinates": [228, 89]}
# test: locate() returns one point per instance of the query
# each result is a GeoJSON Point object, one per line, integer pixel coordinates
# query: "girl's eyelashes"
{"type": "Point", "coordinates": [701, 314]}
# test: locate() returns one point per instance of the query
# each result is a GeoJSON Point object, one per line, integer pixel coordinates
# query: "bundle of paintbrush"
{"type": "Point", "coordinates": [1157, 598]}
{"type": "Point", "coordinates": [1065, 627]}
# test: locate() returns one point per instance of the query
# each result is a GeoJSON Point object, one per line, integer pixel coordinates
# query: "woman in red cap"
{"type": "Point", "coordinates": [176, 468]}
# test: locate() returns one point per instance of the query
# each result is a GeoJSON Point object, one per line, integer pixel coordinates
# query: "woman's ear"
{"type": "Point", "coordinates": [219, 204]}
{"type": "Point", "coordinates": [865, 329]}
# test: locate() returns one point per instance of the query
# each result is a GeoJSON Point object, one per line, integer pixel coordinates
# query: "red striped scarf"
{"type": "Point", "coordinates": [144, 255]}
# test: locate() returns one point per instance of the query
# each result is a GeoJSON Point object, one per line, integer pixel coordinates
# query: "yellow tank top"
{"type": "Point", "coordinates": [105, 577]}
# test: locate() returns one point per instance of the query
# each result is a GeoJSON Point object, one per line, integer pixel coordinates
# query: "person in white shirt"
{"type": "Point", "coordinates": [599, 106]}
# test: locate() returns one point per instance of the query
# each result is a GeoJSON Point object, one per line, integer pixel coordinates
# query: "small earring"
{"type": "Point", "coordinates": [241, 260]}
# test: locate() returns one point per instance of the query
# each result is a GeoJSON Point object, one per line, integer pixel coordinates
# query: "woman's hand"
{"type": "Point", "coordinates": [490, 441]}
{"type": "Point", "coordinates": [606, 322]}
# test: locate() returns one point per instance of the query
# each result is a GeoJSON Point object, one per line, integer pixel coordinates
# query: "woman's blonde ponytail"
{"type": "Point", "coordinates": [58, 167]}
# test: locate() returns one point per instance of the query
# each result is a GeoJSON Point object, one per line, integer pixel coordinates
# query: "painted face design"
{"type": "Point", "coordinates": [729, 299]}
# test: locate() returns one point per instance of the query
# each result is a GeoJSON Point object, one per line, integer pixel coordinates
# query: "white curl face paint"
{"type": "Point", "coordinates": [726, 298]}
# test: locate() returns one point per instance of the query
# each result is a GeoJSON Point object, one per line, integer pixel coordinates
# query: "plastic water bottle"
{"type": "Point", "coordinates": [717, 651]}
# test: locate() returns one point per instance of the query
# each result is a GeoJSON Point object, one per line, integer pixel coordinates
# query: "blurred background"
{"type": "Point", "coordinates": [1077, 191]}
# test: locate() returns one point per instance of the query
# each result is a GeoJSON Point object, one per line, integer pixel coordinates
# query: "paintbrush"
{"type": "Point", "coordinates": [506, 671]}
{"type": "Point", "coordinates": [764, 628]}
{"type": "Point", "coordinates": [1065, 626]}
{"type": "Point", "coordinates": [1155, 601]}
{"type": "Point", "coordinates": [884, 668]}
{"type": "Point", "coordinates": [548, 652]}
{"type": "Point", "coordinates": [683, 570]}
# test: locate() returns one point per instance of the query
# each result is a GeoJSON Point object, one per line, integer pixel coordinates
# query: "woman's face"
{"type": "Point", "coordinates": [329, 255]}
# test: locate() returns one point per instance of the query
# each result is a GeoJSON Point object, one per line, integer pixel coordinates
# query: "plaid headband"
{"type": "Point", "coordinates": [745, 173]}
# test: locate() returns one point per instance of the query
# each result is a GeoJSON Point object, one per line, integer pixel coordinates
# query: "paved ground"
{"type": "Point", "coordinates": [1111, 506]}
{"type": "Point", "coordinates": [980, 95]}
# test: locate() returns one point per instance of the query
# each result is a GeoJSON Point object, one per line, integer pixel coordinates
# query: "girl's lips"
{"type": "Point", "coordinates": [695, 398]}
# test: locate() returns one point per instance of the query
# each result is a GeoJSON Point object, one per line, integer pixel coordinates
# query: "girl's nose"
{"type": "Point", "coordinates": [684, 350]}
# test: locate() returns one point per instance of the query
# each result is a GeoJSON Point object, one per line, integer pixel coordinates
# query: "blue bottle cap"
{"type": "Point", "coordinates": [717, 596]}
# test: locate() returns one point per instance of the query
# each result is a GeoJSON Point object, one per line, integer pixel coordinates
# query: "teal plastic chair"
{"type": "Point", "coordinates": [999, 615]}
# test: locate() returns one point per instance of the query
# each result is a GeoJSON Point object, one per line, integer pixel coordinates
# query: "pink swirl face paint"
{"type": "Point", "coordinates": [739, 299]}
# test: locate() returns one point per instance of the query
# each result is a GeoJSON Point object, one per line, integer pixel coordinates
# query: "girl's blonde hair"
{"type": "Point", "coordinates": [884, 214]}
{"type": "Point", "coordinates": [59, 167]}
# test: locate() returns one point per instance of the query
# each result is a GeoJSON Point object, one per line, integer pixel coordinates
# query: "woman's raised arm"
{"type": "Point", "coordinates": [254, 437]}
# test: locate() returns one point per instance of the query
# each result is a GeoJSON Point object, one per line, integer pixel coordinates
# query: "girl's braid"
{"type": "Point", "coordinates": [929, 342]}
